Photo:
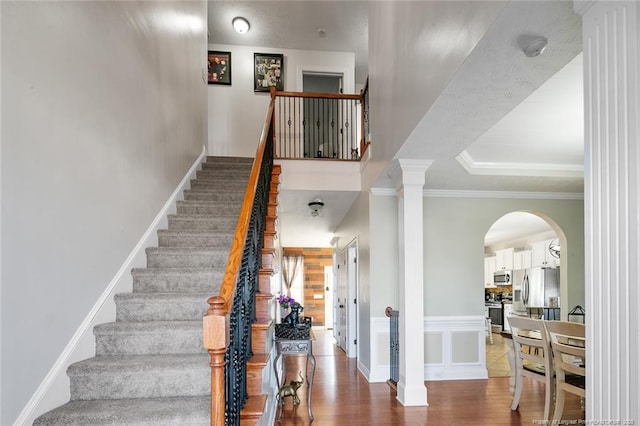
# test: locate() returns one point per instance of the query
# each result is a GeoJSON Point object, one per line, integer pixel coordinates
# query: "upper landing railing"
{"type": "Point", "coordinates": [321, 125]}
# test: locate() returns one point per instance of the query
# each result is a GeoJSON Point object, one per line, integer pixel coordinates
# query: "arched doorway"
{"type": "Point", "coordinates": [516, 244]}
{"type": "Point", "coordinates": [523, 240]}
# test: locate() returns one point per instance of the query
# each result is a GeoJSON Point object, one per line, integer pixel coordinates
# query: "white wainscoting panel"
{"type": "Point", "coordinates": [455, 348]}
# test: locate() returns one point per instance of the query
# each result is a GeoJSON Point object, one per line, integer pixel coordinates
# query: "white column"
{"type": "Point", "coordinates": [611, 36]}
{"type": "Point", "coordinates": [409, 176]}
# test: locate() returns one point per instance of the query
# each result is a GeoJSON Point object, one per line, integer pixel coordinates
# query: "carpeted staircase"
{"type": "Point", "coordinates": [150, 366]}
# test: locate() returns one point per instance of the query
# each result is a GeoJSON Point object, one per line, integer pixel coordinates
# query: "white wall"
{"type": "Point", "coordinates": [237, 113]}
{"type": "Point", "coordinates": [425, 43]}
{"type": "Point", "coordinates": [107, 113]}
{"type": "Point", "coordinates": [454, 230]}
{"type": "Point", "coordinates": [454, 248]}
{"type": "Point", "coordinates": [356, 225]}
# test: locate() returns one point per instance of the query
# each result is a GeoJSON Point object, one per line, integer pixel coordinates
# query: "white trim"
{"type": "Point", "coordinates": [348, 77]}
{"type": "Point", "coordinates": [447, 193]}
{"type": "Point", "coordinates": [447, 369]}
{"type": "Point", "coordinates": [47, 396]}
{"type": "Point", "coordinates": [504, 194]}
{"type": "Point", "coordinates": [518, 169]}
{"type": "Point", "coordinates": [384, 192]}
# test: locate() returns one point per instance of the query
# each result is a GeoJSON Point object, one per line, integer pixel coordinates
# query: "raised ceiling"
{"type": "Point", "coordinates": [505, 122]}
{"type": "Point", "coordinates": [295, 25]}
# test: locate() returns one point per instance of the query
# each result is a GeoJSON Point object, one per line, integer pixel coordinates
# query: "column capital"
{"type": "Point", "coordinates": [406, 171]}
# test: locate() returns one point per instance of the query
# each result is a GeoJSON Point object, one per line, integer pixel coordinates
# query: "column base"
{"type": "Point", "coordinates": [412, 395]}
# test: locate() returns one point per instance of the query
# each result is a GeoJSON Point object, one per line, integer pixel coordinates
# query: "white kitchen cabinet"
{"type": "Point", "coordinates": [522, 260]}
{"type": "Point", "coordinates": [540, 255]}
{"type": "Point", "coordinates": [506, 311]}
{"type": "Point", "coordinates": [489, 269]}
{"type": "Point", "coordinates": [504, 259]}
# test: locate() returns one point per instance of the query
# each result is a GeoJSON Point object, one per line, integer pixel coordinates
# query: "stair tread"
{"type": "Point", "coordinates": [161, 296]}
{"type": "Point", "coordinates": [176, 271]}
{"type": "Point", "coordinates": [185, 250]}
{"type": "Point", "coordinates": [254, 407]}
{"type": "Point", "coordinates": [203, 217]}
{"type": "Point", "coordinates": [139, 363]}
{"type": "Point", "coordinates": [147, 327]}
{"type": "Point", "coordinates": [134, 412]}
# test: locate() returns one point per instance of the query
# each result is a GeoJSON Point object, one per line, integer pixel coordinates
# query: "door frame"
{"type": "Point", "coordinates": [353, 330]}
{"type": "Point", "coordinates": [348, 85]}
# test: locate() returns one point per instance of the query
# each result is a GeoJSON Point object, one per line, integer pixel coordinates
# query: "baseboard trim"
{"type": "Point", "coordinates": [82, 343]}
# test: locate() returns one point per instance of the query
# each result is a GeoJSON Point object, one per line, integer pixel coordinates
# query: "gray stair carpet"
{"type": "Point", "coordinates": [150, 367]}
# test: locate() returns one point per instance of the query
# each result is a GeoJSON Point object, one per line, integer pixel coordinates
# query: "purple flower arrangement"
{"type": "Point", "coordinates": [285, 301]}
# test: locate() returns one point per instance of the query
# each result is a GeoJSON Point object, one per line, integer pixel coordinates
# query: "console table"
{"type": "Point", "coordinates": [285, 347]}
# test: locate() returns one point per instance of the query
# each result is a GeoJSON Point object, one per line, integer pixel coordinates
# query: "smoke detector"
{"type": "Point", "coordinates": [536, 47]}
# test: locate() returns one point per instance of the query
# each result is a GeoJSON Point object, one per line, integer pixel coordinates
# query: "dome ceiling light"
{"type": "Point", "coordinates": [316, 206]}
{"type": "Point", "coordinates": [241, 25]}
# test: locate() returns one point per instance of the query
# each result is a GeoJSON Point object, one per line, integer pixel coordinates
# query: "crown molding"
{"type": "Point", "coordinates": [443, 193]}
{"type": "Point", "coordinates": [518, 169]}
{"type": "Point", "coordinates": [446, 193]}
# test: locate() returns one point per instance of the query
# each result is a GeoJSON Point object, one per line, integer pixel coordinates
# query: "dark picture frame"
{"type": "Point", "coordinates": [219, 67]}
{"type": "Point", "coordinates": [268, 71]}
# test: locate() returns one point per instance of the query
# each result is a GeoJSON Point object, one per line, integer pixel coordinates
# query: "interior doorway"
{"type": "Point", "coordinates": [322, 118]}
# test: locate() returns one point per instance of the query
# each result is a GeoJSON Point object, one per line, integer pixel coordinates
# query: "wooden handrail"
{"type": "Point", "coordinates": [216, 324]}
{"type": "Point", "coordinates": [237, 247]}
{"type": "Point", "coordinates": [356, 97]}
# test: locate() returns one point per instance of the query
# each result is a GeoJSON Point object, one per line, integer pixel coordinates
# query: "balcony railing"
{"type": "Point", "coordinates": [394, 346]}
{"type": "Point", "coordinates": [320, 125]}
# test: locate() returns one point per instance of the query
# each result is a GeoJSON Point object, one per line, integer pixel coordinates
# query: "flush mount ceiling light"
{"type": "Point", "coordinates": [240, 24]}
{"type": "Point", "coordinates": [315, 206]}
{"type": "Point", "coordinates": [535, 47]}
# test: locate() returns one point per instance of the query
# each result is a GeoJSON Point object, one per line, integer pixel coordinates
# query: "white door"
{"type": "Point", "coordinates": [340, 308]}
{"type": "Point", "coordinates": [352, 299]}
{"type": "Point", "coordinates": [328, 297]}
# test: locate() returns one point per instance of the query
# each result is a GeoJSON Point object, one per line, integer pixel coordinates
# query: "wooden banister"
{"type": "Point", "coordinates": [237, 246]}
{"type": "Point", "coordinates": [216, 324]}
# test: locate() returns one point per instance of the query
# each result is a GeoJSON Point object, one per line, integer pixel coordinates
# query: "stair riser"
{"type": "Point", "coordinates": [167, 343]}
{"type": "Point", "coordinates": [186, 223]}
{"type": "Point", "coordinates": [151, 383]}
{"type": "Point", "coordinates": [161, 310]}
{"type": "Point", "coordinates": [165, 282]}
{"type": "Point", "coordinates": [215, 196]}
{"type": "Point", "coordinates": [188, 260]}
{"type": "Point", "coordinates": [223, 174]}
{"type": "Point", "coordinates": [219, 185]}
{"type": "Point", "coordinates": [194, 240]}
{"type": "Point", "coordinates": [216, 163]}
{"type": "Point", "coordinates": [216, 210]}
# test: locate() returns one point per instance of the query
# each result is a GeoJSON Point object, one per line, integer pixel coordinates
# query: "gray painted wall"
{"type": "Point", "coordinates": [454, 248]}
{"type": "Point", "coordinates": [103, 112]}
{"type": "Point", "coordinates": [454, 230]}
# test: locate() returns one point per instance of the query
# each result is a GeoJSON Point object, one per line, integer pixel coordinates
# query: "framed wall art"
{"type": "Point", "coordinates": [219, 67]}
{"type": "Point", "coordinates": [268, 71]}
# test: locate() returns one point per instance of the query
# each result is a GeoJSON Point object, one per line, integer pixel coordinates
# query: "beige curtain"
{"type": "Point", "coordinates": [291, 266]}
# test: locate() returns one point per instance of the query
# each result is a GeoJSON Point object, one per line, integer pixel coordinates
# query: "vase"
{"type": "Point", "coordinates": [284, 312]}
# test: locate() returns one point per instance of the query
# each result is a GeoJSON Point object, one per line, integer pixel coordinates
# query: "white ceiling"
{"type": "Point", "coordinates": [520, 133]}
{"type": "Point", "coordinates": [295, 25]}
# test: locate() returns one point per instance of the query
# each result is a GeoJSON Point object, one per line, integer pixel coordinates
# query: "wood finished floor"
{"type": "Point", "coordinates": [341, 396]}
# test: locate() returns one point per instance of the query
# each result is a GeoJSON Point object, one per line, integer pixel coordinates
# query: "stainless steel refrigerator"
{"type": "Point", "coordinates": [541, 288]}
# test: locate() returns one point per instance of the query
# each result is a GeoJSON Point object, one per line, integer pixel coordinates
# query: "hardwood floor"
{"type": "Point", "coordinates": [342, 396]}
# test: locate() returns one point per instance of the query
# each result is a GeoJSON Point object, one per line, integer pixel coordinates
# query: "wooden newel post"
{"type": "Point", "coordinates": [216, 340]}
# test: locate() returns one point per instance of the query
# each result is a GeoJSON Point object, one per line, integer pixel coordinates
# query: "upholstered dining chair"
{"type": "Point", "coordinates": [568, 346]}
{"type": "Point", "coordinates": [532, 358]}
